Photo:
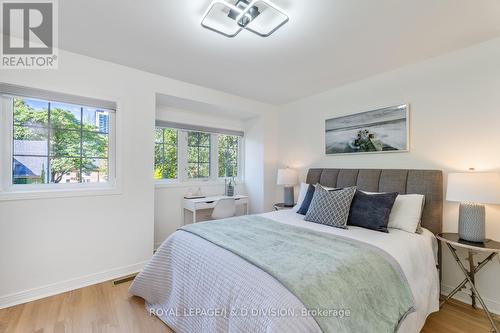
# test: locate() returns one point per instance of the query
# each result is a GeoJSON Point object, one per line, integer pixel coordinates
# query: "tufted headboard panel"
{"type": "Point", "coordinates": [426, 182]}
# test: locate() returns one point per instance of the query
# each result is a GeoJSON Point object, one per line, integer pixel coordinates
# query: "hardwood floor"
{"type": "Point", "coordinates": [101, 308]}
{"type": "Point", "coordinates": [105, 308]}
{"type": "Point", "coordinates": [458, 317]}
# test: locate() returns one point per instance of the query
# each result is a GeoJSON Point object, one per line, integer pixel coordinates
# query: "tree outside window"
{"type": "Point", "coordinates": [165, 153]}
{"type": "Point", "coordinates": [59, 143]}
{"type": "Point", "coordinates": [198, 155]}
{"type": "Point", "coordinates": [228, 155]}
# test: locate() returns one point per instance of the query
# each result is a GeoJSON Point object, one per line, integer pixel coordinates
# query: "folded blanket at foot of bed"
{"type": "Point", "coordinates": [329, 274]}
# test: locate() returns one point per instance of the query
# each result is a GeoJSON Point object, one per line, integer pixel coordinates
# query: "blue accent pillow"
{"type": "Point", "coordinates": [371, 211]}
{"type": "Point", "coordinates": [331, 207]}
{"type": "Point", "coordinates": [307, 200]}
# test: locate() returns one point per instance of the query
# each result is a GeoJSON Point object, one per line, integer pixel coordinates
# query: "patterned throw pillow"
{"type": "Point", "coordinates": [331, 207]}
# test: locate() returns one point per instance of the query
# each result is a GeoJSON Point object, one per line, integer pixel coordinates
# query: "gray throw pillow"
{"type": "Point", "coordinates": [331, 207]}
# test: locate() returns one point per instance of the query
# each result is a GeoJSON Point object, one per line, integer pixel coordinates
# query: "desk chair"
{"type": "Point", "coordinates": [224, 208]}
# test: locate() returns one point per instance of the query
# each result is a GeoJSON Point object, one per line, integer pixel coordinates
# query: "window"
{"type": "Point", "coordinates": [198, 155]}
{"type": "Point", "coordinates": [56, 143]}
{"type": "Point", "coordinates": [185, 154]}
{"type": "Point", "coordinates": [228, 155]}
{"type": "Point", "coordinates": [166, 153]}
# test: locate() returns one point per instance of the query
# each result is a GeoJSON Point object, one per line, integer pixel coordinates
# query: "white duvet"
{"type": "Point", "coordinates": [196, 286]}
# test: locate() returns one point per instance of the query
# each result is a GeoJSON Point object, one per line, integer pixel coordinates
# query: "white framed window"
{"type": "Point", "coordinates": [228, 155]}
{"type": "Point", "coordinates": [199, 146]}
{"type": "Point", "coordinates": [196, 153]}
{"type": "Point", "coordinates": [166, 153]}
{"type": "Point", "coordinates": [58, 143]}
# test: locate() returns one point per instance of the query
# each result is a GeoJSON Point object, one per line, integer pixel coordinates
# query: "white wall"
{"type": "Point", "coordinates": [259, 161]}
{"type": "Point", "coordinates": [455, 121]}
{"type": "Point", "coordinates": [55, 244]}
{"type": "Point", "coordinates": [168, 198]}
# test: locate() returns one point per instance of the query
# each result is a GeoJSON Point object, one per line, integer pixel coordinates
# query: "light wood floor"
{"type": "Point", "coordinates": [104, 308]}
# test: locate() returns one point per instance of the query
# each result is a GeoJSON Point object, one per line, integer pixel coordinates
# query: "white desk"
{"type": "Point", "coordinates": [193, 205]}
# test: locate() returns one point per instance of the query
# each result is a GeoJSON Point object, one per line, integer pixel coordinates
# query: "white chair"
{"type": "Point", "coordinates": [225, 207]}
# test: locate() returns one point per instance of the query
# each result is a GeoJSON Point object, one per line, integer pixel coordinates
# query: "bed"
{"type": "Point", "coordinates": [195, 285]}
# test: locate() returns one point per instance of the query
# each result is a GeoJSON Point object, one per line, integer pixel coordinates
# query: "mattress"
{"type": "Point", "coordinates": [195, 286]}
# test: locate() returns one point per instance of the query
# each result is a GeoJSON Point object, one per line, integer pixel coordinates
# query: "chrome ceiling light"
{"type": "Point", "coordinates": [229, 17]}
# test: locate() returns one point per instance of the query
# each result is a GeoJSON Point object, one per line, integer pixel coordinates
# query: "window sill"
{"type": "Point", "coordinates": [58, 193]}
{"type": "Point", "coordinates": [193, 183]}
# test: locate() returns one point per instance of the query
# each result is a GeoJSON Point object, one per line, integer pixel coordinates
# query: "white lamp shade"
{"type": "Point", "coordinates": [475, 187]}
{"type": "Point", "coordinates": [287, 177]}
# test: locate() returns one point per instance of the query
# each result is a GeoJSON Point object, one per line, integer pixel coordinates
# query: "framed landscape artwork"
{"type": "Point", "coordinates": [381, 130]}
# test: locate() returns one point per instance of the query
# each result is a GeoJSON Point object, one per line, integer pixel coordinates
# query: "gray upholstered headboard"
{"type": "Point", "coordinates": [426, 182]}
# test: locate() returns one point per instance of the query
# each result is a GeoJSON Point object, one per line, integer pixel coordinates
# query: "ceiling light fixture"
{"type": "Point", "coordinates": [229, 17]}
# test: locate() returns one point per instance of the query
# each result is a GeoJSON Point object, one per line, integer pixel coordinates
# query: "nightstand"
{"type": "Point", "coordinates": [489, 247]}
{"type": "Point", "coordinates": [281, 206]}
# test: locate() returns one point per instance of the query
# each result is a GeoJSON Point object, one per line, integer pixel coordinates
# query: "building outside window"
{"type": "Point", "coordinates": [55, 143]}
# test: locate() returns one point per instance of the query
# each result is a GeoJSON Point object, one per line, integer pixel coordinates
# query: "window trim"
{"type": "Point", "coordinates": [182, 179]}
{"type": "Point", "coordinates": [10, 191]}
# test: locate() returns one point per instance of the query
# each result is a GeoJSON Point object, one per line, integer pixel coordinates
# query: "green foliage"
{"type": "Point", "coordinates": [228, 156]}
{"type": "Point", "coordinates": [74, 145]}
{"type": "Point", "coordinates": [42, 174]}
{"type": "Point", "coordinates": [25, 115]}
{"type": "Point", "coordinates": [165, 153]}
{"type": "Point", "coordinates": [198, 155]}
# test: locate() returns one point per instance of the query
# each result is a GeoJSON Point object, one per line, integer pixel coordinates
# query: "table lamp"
{"type": "Point", "coordinates": [473, 190]}
{"type": "Point", "coordinates": [288, 177]}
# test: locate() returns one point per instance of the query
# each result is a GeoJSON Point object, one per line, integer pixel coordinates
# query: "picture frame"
{"type": "Point", "coordinates": [383, 130]}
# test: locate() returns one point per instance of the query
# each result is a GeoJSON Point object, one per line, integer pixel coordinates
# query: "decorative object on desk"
{"type": "Point", "coordinates": [194, 194]}
{"type": "Point", "coordinates": [288, 177]}
{"type": "Point", "coordinates": [473, 190]}
{"type": "Point", "coordinates": [229, 186]}
{"type": "Point", "coordinates": [382, 130]}
{"type": "Point", "coordinates": [191, 196]}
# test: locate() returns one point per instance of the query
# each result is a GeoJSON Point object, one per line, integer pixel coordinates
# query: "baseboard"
{"type": "Point", "coordinates": [68, 285]}
{"type": "Point", "coordinates": [462, 296]}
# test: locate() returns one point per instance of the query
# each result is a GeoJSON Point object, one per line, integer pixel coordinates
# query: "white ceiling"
{"type": "Point", "coordinates": [327, 43]}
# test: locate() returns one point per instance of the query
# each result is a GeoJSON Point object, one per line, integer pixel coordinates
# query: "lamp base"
{"type": "Point", "coordinates": [471, 226]}
{"type": "Point", "coordinates": [288, 198]}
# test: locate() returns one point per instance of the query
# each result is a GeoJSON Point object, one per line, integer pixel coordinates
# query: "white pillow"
{"type": "Point", "coordinates": [302, 195]}
{"type": "Point", "coordinates": [327, 188]}
{"type": "Point", "coordinates": [406, 213]}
